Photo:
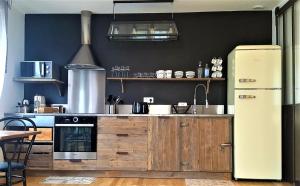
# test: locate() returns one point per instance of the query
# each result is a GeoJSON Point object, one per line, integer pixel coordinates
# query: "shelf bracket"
{"type": "Point", "coordinates": [122, 86]}
{"type": "Point", "coordinates": [59, 89]}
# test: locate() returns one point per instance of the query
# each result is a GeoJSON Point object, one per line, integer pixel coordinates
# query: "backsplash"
{"type": "Point", "coordinates": [202, 37]}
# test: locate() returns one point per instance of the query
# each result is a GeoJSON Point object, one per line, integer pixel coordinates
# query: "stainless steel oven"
{"type": "Point", "coordinates": [75, 137]}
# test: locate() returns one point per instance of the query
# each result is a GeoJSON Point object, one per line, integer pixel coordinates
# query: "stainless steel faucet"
{"type": "Point", "coordinates": [195, 94]}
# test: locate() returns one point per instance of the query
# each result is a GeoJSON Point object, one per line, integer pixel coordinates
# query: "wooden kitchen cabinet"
{"type": "Point", "coordinates": [189, 144]}
{"type": "Point", "coordinates": [164, 146]}
{"type": "Point", "coordinates": [122, 143]}
{"type": "Point", "coordinates": [205, 144]}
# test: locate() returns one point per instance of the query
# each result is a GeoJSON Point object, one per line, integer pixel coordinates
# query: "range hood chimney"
{"type": "Point", "coordinates": [84, 58]}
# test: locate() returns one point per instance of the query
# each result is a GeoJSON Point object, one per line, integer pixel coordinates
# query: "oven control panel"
{"type": "Point", "coordinates": [75, 120]}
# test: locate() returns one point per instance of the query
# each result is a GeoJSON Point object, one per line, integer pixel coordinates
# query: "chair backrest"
{"type": "Point", "coordinates": [18, 150]}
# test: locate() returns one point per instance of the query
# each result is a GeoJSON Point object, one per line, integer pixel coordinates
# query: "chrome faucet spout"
{"type": "Point", "coordinates": [195, 95]}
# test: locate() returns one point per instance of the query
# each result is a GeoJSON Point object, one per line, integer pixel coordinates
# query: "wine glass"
{"type": "Point", "coordinates": [117, 69]}
{"type": "Point", "coordinates": [113, 69]}
{"type": "Point", "coordinates": [127, 69]}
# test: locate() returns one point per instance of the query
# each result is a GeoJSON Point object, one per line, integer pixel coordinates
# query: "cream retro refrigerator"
{"type": "Point", "coordinates": [254, 96]}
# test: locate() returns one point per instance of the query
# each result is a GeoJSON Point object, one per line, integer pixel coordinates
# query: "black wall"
{"type": "Point", "coordinates": [202, 37]}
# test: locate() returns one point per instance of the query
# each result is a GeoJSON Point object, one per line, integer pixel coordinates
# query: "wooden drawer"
{"type": "Point", "coordinates": [40, 161]}
{"type": "Point", "coordinates": [41, 157]}
{"type": "Point", "coordinates": [42, 148]}
{"type": "Point", "coordinates": [122, 159]}
{"type": "Point", "coordinates": [133, 142]}
{"type": "Point", "coordinates": [35, 148]}
{"type": "Point", "coordinates": [69, 165]}
{"type": "Point", "coordinates": [122, 125]}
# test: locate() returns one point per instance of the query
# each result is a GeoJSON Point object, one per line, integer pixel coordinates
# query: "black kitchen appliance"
{"type": "Point", "coordinates": [75, 138]}
{"type": "Point", "coordinates": [140, 108]}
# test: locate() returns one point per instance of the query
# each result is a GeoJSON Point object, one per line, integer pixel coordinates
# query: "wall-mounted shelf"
{"type": "Point", "coordinates": [208, 80]}
{"type": "Point", "coordinates": [166, 79]}
{"type": "Point", "coordinates": [59, 84]}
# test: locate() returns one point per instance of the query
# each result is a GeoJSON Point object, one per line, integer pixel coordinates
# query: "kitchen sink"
{"type": "Point", "coordinates": [209, 110]}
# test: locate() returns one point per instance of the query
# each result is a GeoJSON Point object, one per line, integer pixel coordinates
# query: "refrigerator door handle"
{"type": "Point", "coordinates": [247, 80]}
{"type": "Point", "coordinates": [247, 97]}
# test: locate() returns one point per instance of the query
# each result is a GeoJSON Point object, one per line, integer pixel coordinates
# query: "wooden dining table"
{"type": "Point", "coordinates": [10, 135]}
{"type": "Point", "coordinates": [13, 134]}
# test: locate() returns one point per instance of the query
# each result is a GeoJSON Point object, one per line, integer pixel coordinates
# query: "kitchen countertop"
{"type": "Point", "coordinates": [123, 115]}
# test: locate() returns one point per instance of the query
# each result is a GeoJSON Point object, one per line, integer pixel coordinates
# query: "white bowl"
{"type": "Point", "coordinates": [190, 77]}
{"type": "Point", "coordinates": [189, 72]}
{"type": "Point", "coordinates": [179, 76]}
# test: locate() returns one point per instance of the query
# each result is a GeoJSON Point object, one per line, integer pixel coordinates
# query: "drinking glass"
{"type": "Point", "coordinates": [117, 69]}
{"type": "Point", "coordinates": [113, 71]}
{"type": "Point", "coordinates": [122, 70]}
{"type": "Point", "coordinates": [127, 69]}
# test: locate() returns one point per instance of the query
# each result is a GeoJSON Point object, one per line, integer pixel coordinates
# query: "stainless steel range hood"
{"type": "Point", "coordinates": [86, 80]}
{"type": "Point", "coordinates": [143, 31]}
{"type": "Point", "coordinates": [84, 58]}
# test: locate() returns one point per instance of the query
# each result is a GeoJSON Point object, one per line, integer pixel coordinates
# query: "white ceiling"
{"type": "Point", "coordinates": [106, 6]}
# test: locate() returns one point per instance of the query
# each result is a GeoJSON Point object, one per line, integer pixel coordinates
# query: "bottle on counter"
{"type": "Point", "coordinates": [200, 70]}
{"type": "Point", "coordinates": [206, 71]}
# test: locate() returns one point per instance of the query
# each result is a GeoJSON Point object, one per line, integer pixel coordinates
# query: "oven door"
{"type": "Point", "coordinates": [75, 141]}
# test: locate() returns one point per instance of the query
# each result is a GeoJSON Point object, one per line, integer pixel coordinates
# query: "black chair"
{"type": "Point", "coordinates": [16, 152]}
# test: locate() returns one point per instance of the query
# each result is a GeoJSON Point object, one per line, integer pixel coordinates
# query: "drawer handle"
{"type": "Point", "coordinates": [184, 163]}
{"type": "Point", "coordinates": [184, 124]}
{"type": "Point", "coordinates": [224, 145]}
{"type": "Point", "coordinates": [75, 160]}
{"type": "Point", "coordinates": [163, 117]}
{"type": "Point", "coordinates": [247, 97]}
{"type": "Point", "coordinates": [247, 80]}
{"type": "Point", "coordinates": [122, 117]}
{"type": "Point", "coordinates": [122, 135]}
{"type": "Point", "coordinates": [122, 153]}
{"type": "Point", "coordinates": [40, 152]}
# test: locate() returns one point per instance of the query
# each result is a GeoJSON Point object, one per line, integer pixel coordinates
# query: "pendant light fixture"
{"type": "Point", "coordinates": [164, 30]}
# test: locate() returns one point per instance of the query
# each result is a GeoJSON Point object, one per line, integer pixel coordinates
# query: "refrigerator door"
{"type": "Point", "coordinates": [257, 134]}
{"type": "Point", "coordinates": [258, 68]}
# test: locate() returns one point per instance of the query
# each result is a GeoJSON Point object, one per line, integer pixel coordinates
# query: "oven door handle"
{"type": "Point", "coordinates": [74, 125]}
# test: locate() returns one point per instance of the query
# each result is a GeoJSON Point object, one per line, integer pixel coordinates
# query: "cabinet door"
{"type": "Point", "coordinates": [221, 137]}
{"type": "Point", "coordinates": [163, 139]}
{"type": "Point", "coordinates": [205, 143]}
